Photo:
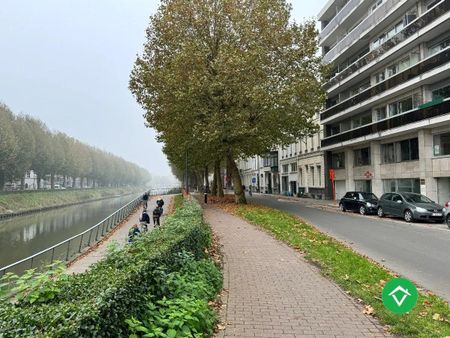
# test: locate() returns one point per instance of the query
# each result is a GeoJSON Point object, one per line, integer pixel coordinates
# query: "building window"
{"type": "Point", "coordinates": [431, 3]}
{"type": "Point", "coordinates": [338, 160]}
{"type": "Point", "coordinates": [293, 166]}
{"type": "Point", "coordinates": [319, 175]}
{"type": "Point", "coordinates": [441, 144]}
{"type": "Point", "coordinates": [300, 174]}
{"type": "Point", "coordinates": [400, 106]}
{"type": "Point", "coordinates": [312, 176]}
{"type": "Point", "coordinates": [441, 93]}
{"type": "Point", "coordinates": [362, 157]}
{"type": "Point", "coordinates": [285, 168]}
{"type": "Point", "coordinates": [409, 150]}
{"type": "Point", "coordinates": [406, 150]}
{"type": "Point", "coordinates": [402, 185]}
{"type": "Point", "coordinates": [438, 46]}
{"type": "Point", "coordinates": [28, 174]}
{"type": "Point", "coordinates": [363, 185]}
{"type": "Point", "coordinates": [380, 113]}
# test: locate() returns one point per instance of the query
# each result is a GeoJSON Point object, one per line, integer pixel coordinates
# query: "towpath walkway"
{"type": "Point", "coordinates": [272, 291]}
{"type": "Point", "coordinates": [120, 235]}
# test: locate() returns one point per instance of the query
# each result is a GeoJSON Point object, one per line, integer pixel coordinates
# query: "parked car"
{"type": "Point", "coordinates": [447, 214]}
{"type": "Point", "coordinates": [363, 202]}
{"type": "Point", "coordinates": [410, 206]}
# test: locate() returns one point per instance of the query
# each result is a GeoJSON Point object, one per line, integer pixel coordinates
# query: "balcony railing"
{"type": "Point", "coordinates": [370, 21]}
{"type": "Point", "coordinates": [336, 21]}
{"type": "Point", "coordinates": [415, 115]}
{"type": "Point", "coordinates": [421, 22]}
{"type": "Point", "coordinates": [418, 69]}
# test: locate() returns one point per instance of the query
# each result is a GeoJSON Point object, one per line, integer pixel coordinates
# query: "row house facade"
{"type": "Point", "coordinates": [294, 170]}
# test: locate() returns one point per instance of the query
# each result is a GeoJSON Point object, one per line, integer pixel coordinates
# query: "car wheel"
{"type": "Point", "coordinates": [408, 216]}
{"type": "Point", "coordinates": [362, 210]}
{"type": "Point", "coordinates": [380, 212]}
{"type": "Point", "coordinates": [447, 220]}
{"type": "Point", "coordinates": [341, 206]}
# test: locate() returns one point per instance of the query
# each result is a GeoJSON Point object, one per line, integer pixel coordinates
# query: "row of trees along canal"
{"type": "Point", "coordinates": [27, 144]}
{"type": "Point", "coordinates": [221, 80]}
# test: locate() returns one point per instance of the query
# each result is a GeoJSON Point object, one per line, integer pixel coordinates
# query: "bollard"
{"type": "Point", "coordinates": [206, 198]}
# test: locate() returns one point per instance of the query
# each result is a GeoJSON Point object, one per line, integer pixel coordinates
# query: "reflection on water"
{"type": "Point", "coordinates": [24, 236]}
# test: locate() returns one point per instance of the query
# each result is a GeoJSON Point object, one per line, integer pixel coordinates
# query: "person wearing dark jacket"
{"type": "Point", "coordinates": [145, 199]}
{"type": "Point", "coordinates": [145, 220]}
{"type": "Point", "coordinates": [157, 215]}
{"type": "Point", "coordinates": [160, 202]}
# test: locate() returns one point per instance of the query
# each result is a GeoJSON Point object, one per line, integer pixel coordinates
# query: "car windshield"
{"type": "Point", "coordinates": [416, 198]}
{"type": "Point", "coordinates": [369, 196]}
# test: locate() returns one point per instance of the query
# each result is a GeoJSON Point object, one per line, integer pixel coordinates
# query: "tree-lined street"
{"type": "Point", "coordinates": [417, 252]}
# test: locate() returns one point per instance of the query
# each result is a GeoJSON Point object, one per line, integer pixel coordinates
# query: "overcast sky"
{"type": "Point", "coordinates": [68, 63]}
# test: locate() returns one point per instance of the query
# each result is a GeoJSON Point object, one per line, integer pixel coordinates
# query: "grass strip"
{"type": "Point", "coordinates": [358, 275]}
{"type": "Point", "coordinates": [23, 201]}
{"type": "Point", "coordinates": [178, 202]}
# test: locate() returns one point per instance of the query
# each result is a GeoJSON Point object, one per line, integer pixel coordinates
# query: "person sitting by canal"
{"type": "Point", "coordinates": [134, 231]}
{"type": "Point", "coordinates": [145, 220]}
{"type": "Point", "coordinates": [157, 215]}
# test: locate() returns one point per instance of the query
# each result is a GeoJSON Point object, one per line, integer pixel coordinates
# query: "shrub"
{"type": "Point", "coordinates": [184, 310]}
{"type": "Point", "coordinates": [96, 303]}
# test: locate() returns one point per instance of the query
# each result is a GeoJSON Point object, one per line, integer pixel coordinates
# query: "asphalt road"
{"type": "Point", "coordinates": [415, 251]}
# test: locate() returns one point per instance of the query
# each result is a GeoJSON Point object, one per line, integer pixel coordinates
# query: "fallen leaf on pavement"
{"type": "Point", "coordinates": [220, 327]}
{"type": "Point", "coordinates": [368, 310]}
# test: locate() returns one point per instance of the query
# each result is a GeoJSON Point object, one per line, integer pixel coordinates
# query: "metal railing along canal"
{"type": "Point", "coordinates": [71, 247]}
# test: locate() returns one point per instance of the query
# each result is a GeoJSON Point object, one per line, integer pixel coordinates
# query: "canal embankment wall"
{"type": "Point", "coordinates": [22, 203]}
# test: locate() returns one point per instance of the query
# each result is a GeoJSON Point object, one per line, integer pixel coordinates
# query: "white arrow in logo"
{"type": "Point", "coordinates": [405, 294]}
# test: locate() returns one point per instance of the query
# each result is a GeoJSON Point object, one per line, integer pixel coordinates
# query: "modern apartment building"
{"type": "Point", "coordinates": [386, 122]}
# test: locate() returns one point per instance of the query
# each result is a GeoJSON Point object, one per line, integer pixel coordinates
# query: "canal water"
{"type": "Point", "coordinates": [26, 235]}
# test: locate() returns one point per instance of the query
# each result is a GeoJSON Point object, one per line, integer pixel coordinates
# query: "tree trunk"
{"type": "Point", "coordinates": [64, 181]}
{"type": "Point", "coordinates": [52, 181]}
{"type": "Point", "coordinates": [206, 179]}
{"type": "Point", "coordinates": [239, 194]}
{"type": "Point", "coordinates": [2, 181]}
{"type": "Point", "coordinates": [22, 183]}
{"type": "Point", "coordinates": [214, 184]}
{"type": "Point", "coordinates": [74, 179]}
{"type": "Point", "coordinates": [38, 180]}
{"type": "Point", "coordinates": [219, 181]}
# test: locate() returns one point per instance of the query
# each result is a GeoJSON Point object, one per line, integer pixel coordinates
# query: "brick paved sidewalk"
{"type": "Point", "coordinates": [273, 292]}
{"type": "Point", "coordinates": [120, 236]}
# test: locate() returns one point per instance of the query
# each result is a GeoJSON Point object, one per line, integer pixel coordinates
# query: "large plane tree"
{"type": "Point", "coordinates": [233, 75]}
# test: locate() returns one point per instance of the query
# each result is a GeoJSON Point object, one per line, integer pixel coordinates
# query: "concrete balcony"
{"type": "Point", "coordinates": [338, 20]}
{"type": "Point", "coordinates": [373, 20]}
{"type": "Point", "coordinates": [416, 71]}
{"type": "Point", "coordinates": [374, 130]}
{"type": "Point", "coordinates": [434, 19]}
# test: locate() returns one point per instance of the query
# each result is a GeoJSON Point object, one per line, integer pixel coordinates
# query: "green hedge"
{"type": "Point", "coordinates": [96, 303]}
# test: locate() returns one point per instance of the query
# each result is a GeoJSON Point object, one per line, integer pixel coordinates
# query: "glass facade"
{"type": "Point", "coordinates": [403, 184]}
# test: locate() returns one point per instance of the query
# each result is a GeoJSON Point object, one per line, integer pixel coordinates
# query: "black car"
{"type": "Point", "coordinates": [364, 202]}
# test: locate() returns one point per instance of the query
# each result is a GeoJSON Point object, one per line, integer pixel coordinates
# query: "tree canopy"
{"type": "Point", "coordinates": [228, 78]}
{"type": "Point", "coordinates": [27, 144]}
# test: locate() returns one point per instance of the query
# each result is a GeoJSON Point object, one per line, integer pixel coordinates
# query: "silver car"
{"type": "Point", "coordinates": [411, 207]}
